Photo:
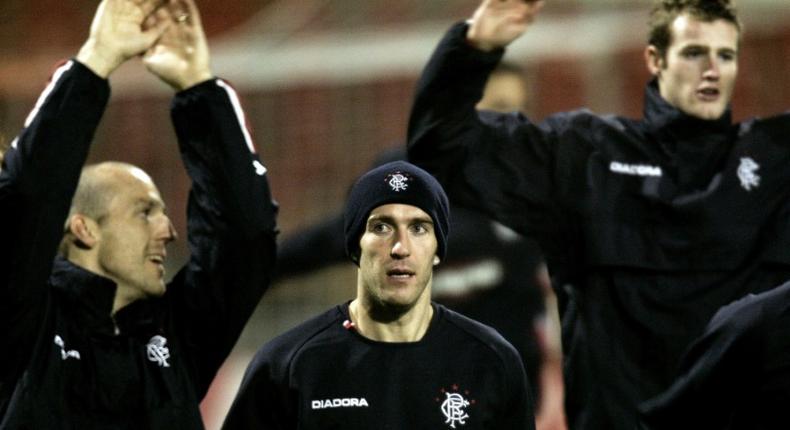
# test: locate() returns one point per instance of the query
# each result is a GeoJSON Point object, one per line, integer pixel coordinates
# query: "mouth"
{"type": "Point", "coordinates": [708, 94]}
{"type": "Point", "coordinates": [400, 274]}
{"type": "Point", "coordinates": [159, 261]}
{"type": "Point", "coordinates": [156, 258]}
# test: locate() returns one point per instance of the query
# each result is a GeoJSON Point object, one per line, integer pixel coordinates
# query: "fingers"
{"type": "Point", "coordinates": [156, 25]}
{"type": "Point", "coordinates": [149, 7]}
{"type": "Point", "coordinates": [186, 12]}
{"type": "Point", "coordinates": [180, 57]}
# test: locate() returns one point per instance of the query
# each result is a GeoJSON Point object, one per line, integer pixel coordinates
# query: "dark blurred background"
{"type": "Point", "coordinates": [327, 85]}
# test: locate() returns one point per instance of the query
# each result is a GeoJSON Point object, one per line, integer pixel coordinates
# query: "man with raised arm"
{"type": "Point", "coordinates": [648, 225]}
{"type": "Point", "coordinates": [94, 338]}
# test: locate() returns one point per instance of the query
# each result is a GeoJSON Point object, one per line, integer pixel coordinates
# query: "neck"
{"type": "Point", "coordinates": [124, 294]}
{"type": "Point", "coordinates": [123, 297]}
{"type": "Point", "coordinates": [374, 324]}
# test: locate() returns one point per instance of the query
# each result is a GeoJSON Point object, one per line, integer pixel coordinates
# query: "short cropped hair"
{"type": "Point", "coordinates": [92, 197]}
{"type": "Point", "coordinates": [96, 189]}
{"type": "Point", "coordinates": [665, 12]}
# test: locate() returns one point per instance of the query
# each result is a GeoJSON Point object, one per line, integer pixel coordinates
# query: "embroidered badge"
{"type": "Point", "coordinates": [454, 406]}
{"type": "Point", "coordinates": [158, 352]}
{"type": "Point", "coordinates": [398, 181]}
{"type": "Point", "coordinates": [349, 402]}
{"type": "Point", "coordinates": [64, 354]}
{"type": "Point", "coordinates": [635, 169]}
{"type": "Point", "coordinates": [746, 173]}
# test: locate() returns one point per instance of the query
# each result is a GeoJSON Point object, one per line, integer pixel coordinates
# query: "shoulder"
{"type": "Point", "coordinates": [479, 333]}
{"type": "Point", "coordinates": [278, 354]}
{"type": "Point", "coordinates": [752, 311]}
{"type": "Point", "coordinates": [580, 118]}
{"type": "Point", "coordinates": [777, 126]}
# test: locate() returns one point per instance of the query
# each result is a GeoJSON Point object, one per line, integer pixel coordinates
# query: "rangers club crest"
{"type": "Point", "coordinates": [158, 352]}
{"type": "Point", "coordinates": [398, 181]}
{"type": "Point", "coordinates": [455, 405]}
{"type": "Point", "coordinates": [746, 173]}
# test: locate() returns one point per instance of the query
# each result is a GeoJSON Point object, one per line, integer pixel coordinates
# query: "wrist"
{"type": "Point", "coordinates": [101, 64]}
{"type": "Point", "coordinates": [194, 80]}
{"type": "Point", "coordinates": [473, 39]}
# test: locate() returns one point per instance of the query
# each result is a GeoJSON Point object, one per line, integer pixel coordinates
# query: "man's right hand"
{"type": "Point", "coordinates": [496, 23]}
{"type": "Point", "coordinates": [181, 56]}
{"type": "Point", "coordinates": [117, 33]}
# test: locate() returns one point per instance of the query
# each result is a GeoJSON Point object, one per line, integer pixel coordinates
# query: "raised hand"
{"type": "Point", "coordinates": [496, 23]}
{"type": "Point", "coordinates": [117, 33]}
{"type": "Point", "coordinates": [180, 57]}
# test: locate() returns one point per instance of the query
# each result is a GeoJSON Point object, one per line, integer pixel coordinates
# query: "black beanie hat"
{"type": "Point", "coordinates": [395, 182]}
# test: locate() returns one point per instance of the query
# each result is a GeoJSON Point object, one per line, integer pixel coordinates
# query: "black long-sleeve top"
{"type": "Point", "coordinates": [66, 364]}
{"type": "Point", "coordinates": [648, 225]}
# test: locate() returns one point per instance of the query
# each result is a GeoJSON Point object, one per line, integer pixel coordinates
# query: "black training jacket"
{"type": "Point", "coordinates": [65, 363]}
{"type": "Point", "coordinates": [324, 375]}
{"type": "Point", "coordinates": [648, 226]}
{"type": "Point", "coordinates": [736, 376]}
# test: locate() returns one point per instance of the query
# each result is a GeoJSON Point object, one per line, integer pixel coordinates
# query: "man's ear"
{"type": "Point", "coordinates": [654, 60]}
{"type": "Point", "coordinates": [85, 230]}
{"type": "Point", "coordinates": [436, 260]}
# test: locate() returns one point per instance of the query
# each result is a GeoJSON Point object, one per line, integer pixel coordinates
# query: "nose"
{"type": "Point", "coordinates": [400, 249]}
{"type": "Point", "coordinates": [166, 231]}
{"type": "Point", "coordinates": [712, 68]}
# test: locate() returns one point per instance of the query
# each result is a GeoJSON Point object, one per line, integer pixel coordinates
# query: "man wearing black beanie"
{"type": "Point", "coordinates": [390, 358]}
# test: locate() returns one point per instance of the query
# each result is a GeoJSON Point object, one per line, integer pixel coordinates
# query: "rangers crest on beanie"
{"type": "Point", "coordinates": [395, 182]}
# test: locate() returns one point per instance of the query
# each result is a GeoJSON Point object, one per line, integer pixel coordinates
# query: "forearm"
{"type": "Point", "coordinates": [36, 186]}
{"type": "Point", "coordinates": [43, 167]}
{"type": "Point", "coordinates": [443, 115]}
{"type": "Point", "coordinates": [231, 221]}
{"type": "Point", "coordinates": [221, 159]}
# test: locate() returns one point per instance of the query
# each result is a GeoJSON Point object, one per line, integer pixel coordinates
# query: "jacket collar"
{"type": "Point", "coordinates": [666, 122]}
{"type": "Point", "coordinates": [693, 148]}
{"type": "Point", "coordinates": [91, 296]}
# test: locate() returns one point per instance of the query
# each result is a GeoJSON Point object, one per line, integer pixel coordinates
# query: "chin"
{"type": "Point", "coordinates": [156, 291]}
{"type": "Point", "coordinates": [711, 116]}
{"type": "Point", "coordinates": [708, 112]}
{"type": "Point", "coordinates": [392, 307]}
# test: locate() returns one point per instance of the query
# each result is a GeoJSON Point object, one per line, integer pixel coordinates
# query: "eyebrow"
{"type": "Point", "coordinates": [390, 219]}
{"type": "Point", "coordinates": [147, 201]}
{"type": "Point", "coordinates": [707, 48]}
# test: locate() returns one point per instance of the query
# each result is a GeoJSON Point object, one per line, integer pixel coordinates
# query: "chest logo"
{"type": "Point", "coordinates": [454, 406]}
{"type": "Point", "coordinates": [746, 173]}
{"type": "Point", "coordinates": [158, 352]}
{"type": "Point", "coordinates": [635, 169]}
{"type": "Point", "coordinates": [350, 402]}
{"type": "Point", "coordinates": [64, 353]}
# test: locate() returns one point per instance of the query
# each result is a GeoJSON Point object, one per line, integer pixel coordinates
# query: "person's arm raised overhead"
{"type": "Point", "coordinates": [43, 164]}
{"type": "Point", "coordinates": [231, 226]}
{"type": "Point", "coordinates": [497, 23]}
